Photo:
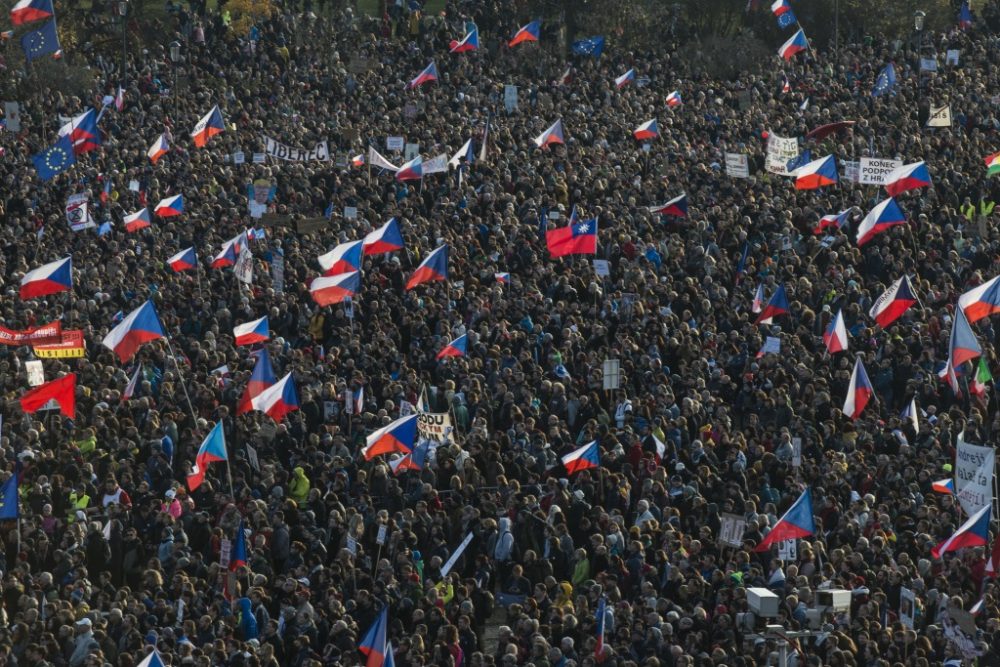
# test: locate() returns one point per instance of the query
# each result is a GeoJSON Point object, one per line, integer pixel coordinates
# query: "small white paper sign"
{"type": "Point", "coordinates": [602, 267]}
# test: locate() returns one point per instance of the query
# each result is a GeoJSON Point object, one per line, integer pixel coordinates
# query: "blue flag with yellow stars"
{"type": "Point", "coordinates": [41, 42]}
{"type": "Point", "coordinates": [54, 160]}
{"type": "Point", "coordinates": [8, 498]}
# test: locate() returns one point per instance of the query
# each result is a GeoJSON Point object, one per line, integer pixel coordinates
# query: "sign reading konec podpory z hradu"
{"type": "Point", "coordinates": [318, 153]}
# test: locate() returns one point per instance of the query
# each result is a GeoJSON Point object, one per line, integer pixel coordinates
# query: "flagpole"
{"type": "Point", "coordinates": [194, 417]}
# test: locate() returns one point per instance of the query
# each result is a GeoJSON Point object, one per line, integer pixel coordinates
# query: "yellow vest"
{"type": "Point", "coordinates": [80, 503]}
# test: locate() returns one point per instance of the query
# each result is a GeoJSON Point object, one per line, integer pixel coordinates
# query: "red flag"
{"type": "Point", "coordinates": [61, 390]}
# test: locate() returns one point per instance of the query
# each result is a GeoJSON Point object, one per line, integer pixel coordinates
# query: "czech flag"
{"type": "Point", "coordinates": [894, 302]}
{"type": "Point", "coordinates": [528, 33]}
{"type": "Point", "coordinates": [758, 299]}
{"type": "Point", "coordinates": [345, 258]}
{"type": "Point", "coordinates": [328, 290]}
{"type": "Point", "coordinates": [575, 239]}
{"type": "Point", "coordinates": [502, 277]}
{"type": "Point", "coordinates": [469, 43]}
{"type": "Point", "coordinates": [395, 437]}
{"type": "Point", "coordinates": [159, 147]}
{"type": "Point", "coordinates": [817, 174]}
{"type": "Point", "coordinates": [832, 221]}
{"type": "Point", "coordinates": [26, 11]}
{"type": "Point", "coordinates": [185, 260]}
{"type": "Point", "coordinates": [61, 390]}
{"type": "Point", "coordinates": [780, 7]}
{"type": "Point", "coordinates": [910, 413]}
{"type": "Point", "coordinates": [974, 532]}
{"type": "Point", "coordinates": [962, 345]}
{"type": "Point", "coordinates": [945, 486]}
{"type": "Point", "coordinates": [584, 458]}
{"type": "Point", "coordinates": [213, 448]}
{"type": "Point", "coordinates": [209, 126]}
{"type": "Point", "coordinates": [142, 325]}
{"type": "Point", "coordinates": [153, 660]}
{"type": "Point", "coordinates": [249, 333]}
{"type": "Point", "coordinates": [433, 268]}
{"type": "Point", "coordinates": [386, 238]}
{"type": "Point", "coordinates": [358, 160]}
{"type": "Point", "coordinates": [277, 400]}
{"type": "Point", "coordinates": [170, 206]}
{"type": "Point", "coordinates": [795, 44]}
{"type": "Point", "coordinates": [859, 392]}
{"type": "Point", "coordinates": [965, 22]}
{"type": "Point", "coordinates": [238, 558]}
{"type": "Point", "coordinates": [625, 79]}
{"type": "Point", "coordinates": [677, 207]}
{"type": "Point", "coordinates": [778, 305]}
{"type": "Point", "coordinates": [908, 177]}
{"type": "Point", "coordinates": [674, 99]}
{"type": "Point", "coordinates": [414, 460]}
{"type": "Point", "coordinates": [982, 301]}
{"type": "Point", "coordinates": [553, 135]}
{"type": "Point", "coordinates": [455, 348]}
{"type": "Point", "coordinates": [599, 631]}
{"type": "Point", "coordinates": [82, 132]}
{"type": "Point", "coordinates": [227, 256]}
{"type": "Point", "coordinates": [796, 523]}
{"type": "Point", "coordinates": [374, 646]}
{"type": "Point", "coordinates": [648, 130]}
{"type": "Point", "coordinates": [412, 170]}
{"type": "Point", "coordinates": [430, 73]}
{"type": "Point", "coordinates": [464, 152]}
{"type": "Point", "coordinates": [262, 378]}
{"type": "Point", "coordinates": [138, 220]}
{"type": "Point", "coordinates": [835, 335]}
{"type": "Point", "coordinates": [886, 214]}
{"type": "Point", "coordinates": [50, 278]}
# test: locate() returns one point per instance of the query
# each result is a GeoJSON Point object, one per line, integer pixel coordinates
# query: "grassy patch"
{"type": "Point", "coordinates": [370, 7]}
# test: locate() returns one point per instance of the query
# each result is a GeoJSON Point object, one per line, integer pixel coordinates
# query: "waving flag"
{"type": "Point", "coordinates": [250, 333]}
{"type": "Point", "coordinates": [945, 486]}
{"type": "Point", "coordinates": [386, 238]}
{"type": "Point", "coordinates": [138, 220]}
{"type": "Point", "coordinates": [601, 618]}
{"type": "Point", "coordinates": [795, 44]}
{"type": "Point", "coordinates": [981, 301]}
{"type": "Point", "coordinates": [213, 448]}
{"type": "Point", "coordinates": [433, 268]}
{"type": "Point", "coordinates": [584, 458]}
{"type": "Point", "coordinates": [345, 258]}
{"type": "Point", "coordinates": [910, 414]}
{"type": "Point", "coordinates": [373, 645]}
{"type": "Point", "coordinates": [429, 74]}
{"type": "Point", "coordinates": [415, 460]}
{"type": "Point", "coordinates": [170, 206]}
{"type": "Point", "coordinates": [133, 384]}
{"type": "Point", "coordinates": [886, 214]}
{"type": "Point", "coordinates": [593, 47]}
{"type": "Point", "coordinates": [277, 400]}
{"type": "Point", "coordinates": [55, 159]}
{"type": "Point", "coordinates": [376, 160]}
{"type": "Point", "coordinates": [50, 278]}
{"type": "Point", "coordinates": [565, 78]}
{"type": "Point", "coordinates": [553, 135]}
{"type": "Point", "coordinates": [833, 221]}
{"type": "Point", "coordinates": [982, 379]}
{"type": "Point", "coordinates": [26, 11]}
{"type": "Point", "coordinates": [40, 43]}
{"type": "Point", "coordinates": [238, 557]}
{"type": "Point", "coordinates": [895, 301]}
{"type": "Point", "coordinates": [455, 348]}
{"type": "Point", "coordinates": [82, 131]}
{"type": "Point", "coordinates": [796, 523]}
{"type": "Point", "coordinates": [141, 326]}
{"type": "Point", "coordinates": [153, 659]}
{"type": "Point", "coordinates": [625, 79]}
{"type": "Point", "coordinates": [962, 345]}
{"type": "Point", "coordinates": [230, 250]}
{"type": "Point", "coordinates": [529, 33]}
{"type": "Point", "coordinates": [329, 290]}
{"type": "Point", "coordinates": [61, 390]}
{"type": "Point", "coordinates": [964, 16]}
{"type": "Point", "coordinates": [800, 160]}
{"type": "Point", "coordinates": [573, 239]}
{"type": "Point", "coordinates": [674, 99]}
{"type": "Point", "coordinates": [469, 43]}
{"type": "Point", "coordinates": [262, 378]}
{"type": "Point", "coordinates": [835, 336]}
{"type": "Point", "coordinates": [9, 505]}
{"type": "Point", "coordinates": [975, 532]}
{"type": "Point", "coordinates": [908, 177]}
{"type": "Point", "coordinates": [502, 277]}
{"type": "Point", "coordinates": [412, 170]}
{"type": "Point", "coordinates": [395, 437]}
{"type": "Point", "coordinates": [859, 392]}
{"type": "Point", "coordinates": [120, 99]}
{"type": "Point", "coordinates": [209, 126]}
{"type": "Point", "coordinates": [758, 299]}
{"type": "Point", "coordinates": [783, 11]}
{"type": "Point", "coordinates": [676, 207]}
{"type": "Point", "coordinates": [464, 152]}
{"type": "Point", "coordinates": [885, 83]}
{"type": "Point", "coordinates": [777, 306]}
{"type": "Point", "coordinates": [817, 174]}
{"type": "Point", "coordinates": [648, 130]}
{"type": "Point", "coordinates": [158, 149]}
{"type": "Point", "coordinates": [185, 260]}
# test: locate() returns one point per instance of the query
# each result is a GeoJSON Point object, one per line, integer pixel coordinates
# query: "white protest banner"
{"type": "Point", "coordinates": [278, 273]}
{"type": "Point", "coordinates": [394, 143]}
{"type": "Point", "coordinates": [225, 549]}
{"type": "Point", "coordinates": [779, 151]}
{"type": "Point", "coordinates": [737, 165]}
{"type": "Point", "coordinates": [788, 550]}
{"type": "Point", "coordinates": [602, 267]}
{"type": "Point", "coordinates": [940, 117]}
{"type": "Point", "coordinates": [252, 458]}
{"type": "Point", "coordinates": [731, 530]}
{"type": "Point", "coordinates": [796, 452]}
{"type": "Point", "coordinates": [318, 153]}
{"type": "Point", "coordinates": [772, 345]}
{"type": "Point", "coordinates": [436, 165]}
{"type": "Point", "coordinates": [454, 557]}
{"type": "Point", "coordinates": [78, 212]}
{"type": "Point", "coordinates": [907, 606]}
{"type": "Point", "coordinates": [244, 266]}
{"type": "Point", "coordinates": [383, 530]}
{"type": "Point", "coordinates": [951, 58]}
{"type": "Point", "coordinates": [852, 170]}
{"type": "Point", "coordinates": [411, 151]}
{"type": "Point", "coordinates": [928, 64]}
{"type": "Point", "coordinates": [36, 374]}
{"type": "Point", "coordinates": [352, 545]}
{"type": "Point", "coordinates": [12, 114]}
{"type": "Point", "coordinates": [875, 170]}
{"type": "Point", "coordinates": [510, 98]}
{"type": "Point", "coordinates": [434, 425]}
{"type": "Point", "coordinates": [239, 157]}
{"type": "Point", "coordinates": [259, 158]}
{"type": "Point", "coordinates": [973, 475]}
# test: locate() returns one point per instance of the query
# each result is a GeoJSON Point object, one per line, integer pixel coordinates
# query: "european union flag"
{"type": "Point", "coordinates": [41, 42]}
{"type": "Point", "coordinates": [786, 19]}
{"type": "Point", "coordinates": [8, 499]}
{"type": "Point", "coordinates": [886, 81]}
{"type": "Point", "coordinates": [55, 160]}
{"type": "Point", "coordinates": [800, 160]}
{"type": "Point", "coordinates": [589, 47]}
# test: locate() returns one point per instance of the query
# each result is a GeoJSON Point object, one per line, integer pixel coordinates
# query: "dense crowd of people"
{"type": "Point", "coordinates": [114, 555]}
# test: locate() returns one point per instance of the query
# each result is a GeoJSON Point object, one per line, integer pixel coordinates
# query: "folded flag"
{"type": "Point", "coordinates": [158, 149]}
{"type": "Point", "coordinates": [945, 486]}
{"type": "Point", "coordinates": [261, 378]}
{"type": "Point", "coordinates": [553, 135]}
{"type": "Point", "coordinates": [345, 258]}
{"type": "Point", "coordinates": [238, 557]}
{"type": "Point", "coordinates": [212, 449]}
{"type": "Point", "coordinates": [429, 74]}
{"type": "Point", "coordinates": [796, 523]}
{"type": "Point", "coordinates": [433, 268]}
{"type": "Point", "coordinates": [386, 238]}
{"type": "Point", "coordinates": [170, 206]}
{"type": "Point", "coordinates": [210, 125]}
{"type": "Point", "coordinates": [674, 99]}
{"type": "Point", "coordinates": [373, 646]}
{"type": "Point", "coordinates": [455, 348]}
{"type": "Point", "coordinates": [834, 221]}
{"type": "Point", "coordinates": [277, 400]}
{"type": "Point", "coordinates": [61, 390]}
{"type": "Point", "coordinates": [40, 43]}
{"type": "Point", "coordinates": [26, 11]}
{"type": "Point", "coordinates": [895, 301]}
{"type": "Point", "coordinates": [594, 47]}
{"type": "Point", "coordinates": [974, 532]}
{"type": "Point", "coordinates": [412, 170]}
{"type": "Point", "coordinates": [251, 333]}
{"type": "Point", "coordinates": [835, 336]}
{"type": "Point", "coordinates": [601, 616]}
{"type": "Point", "coordinates": [758, 299]}
{"type": "Point", "coordinates": [468, 43]}
{"type": "Point", "coordinates": [138, 220]}
{"type": "Point", "coordinates": [907, 177]}
{"type": "Point", "coordinates": [962, 345]}
{"type": "Point", "coordinates": [583, 458]}
{"type": "Point", "coordinates": [528, 33]}
{"type": "Point", "coordinates": [82, 131]}
{"type": "Point", "coordinates": [676, 207]}
{"type": "Point", "coordinates": [648, 130]}
{"type": "Point", "coordinates": [859, 392]}
{"type": "Point", "coordinates": [141, 326]}
{"type": "Point", "coordinates": [329, 290]}
{"type": "Point", "coordinates": [777, 306]}
{"type": "Point", "coordinates": [886, 214]}
{"type": "Point", "coordinates": [50, 278]}
{"type": "Point", "coordinates": [982, 379]}
{"type": "Point", "coordinates": [795, 44]}
{"type": "Point", "coordinates": [885, 82]}
{"type": "Point", "coordinates": [185, 260]}
{"type": "Point", "coordinates": [397, 436]}
{"type": "Point", "coordinates": [574, 239]}
{"type": "Point", "coordinates": [55, 159]}
{"type": "Point", "coordinates": [625, 79]}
